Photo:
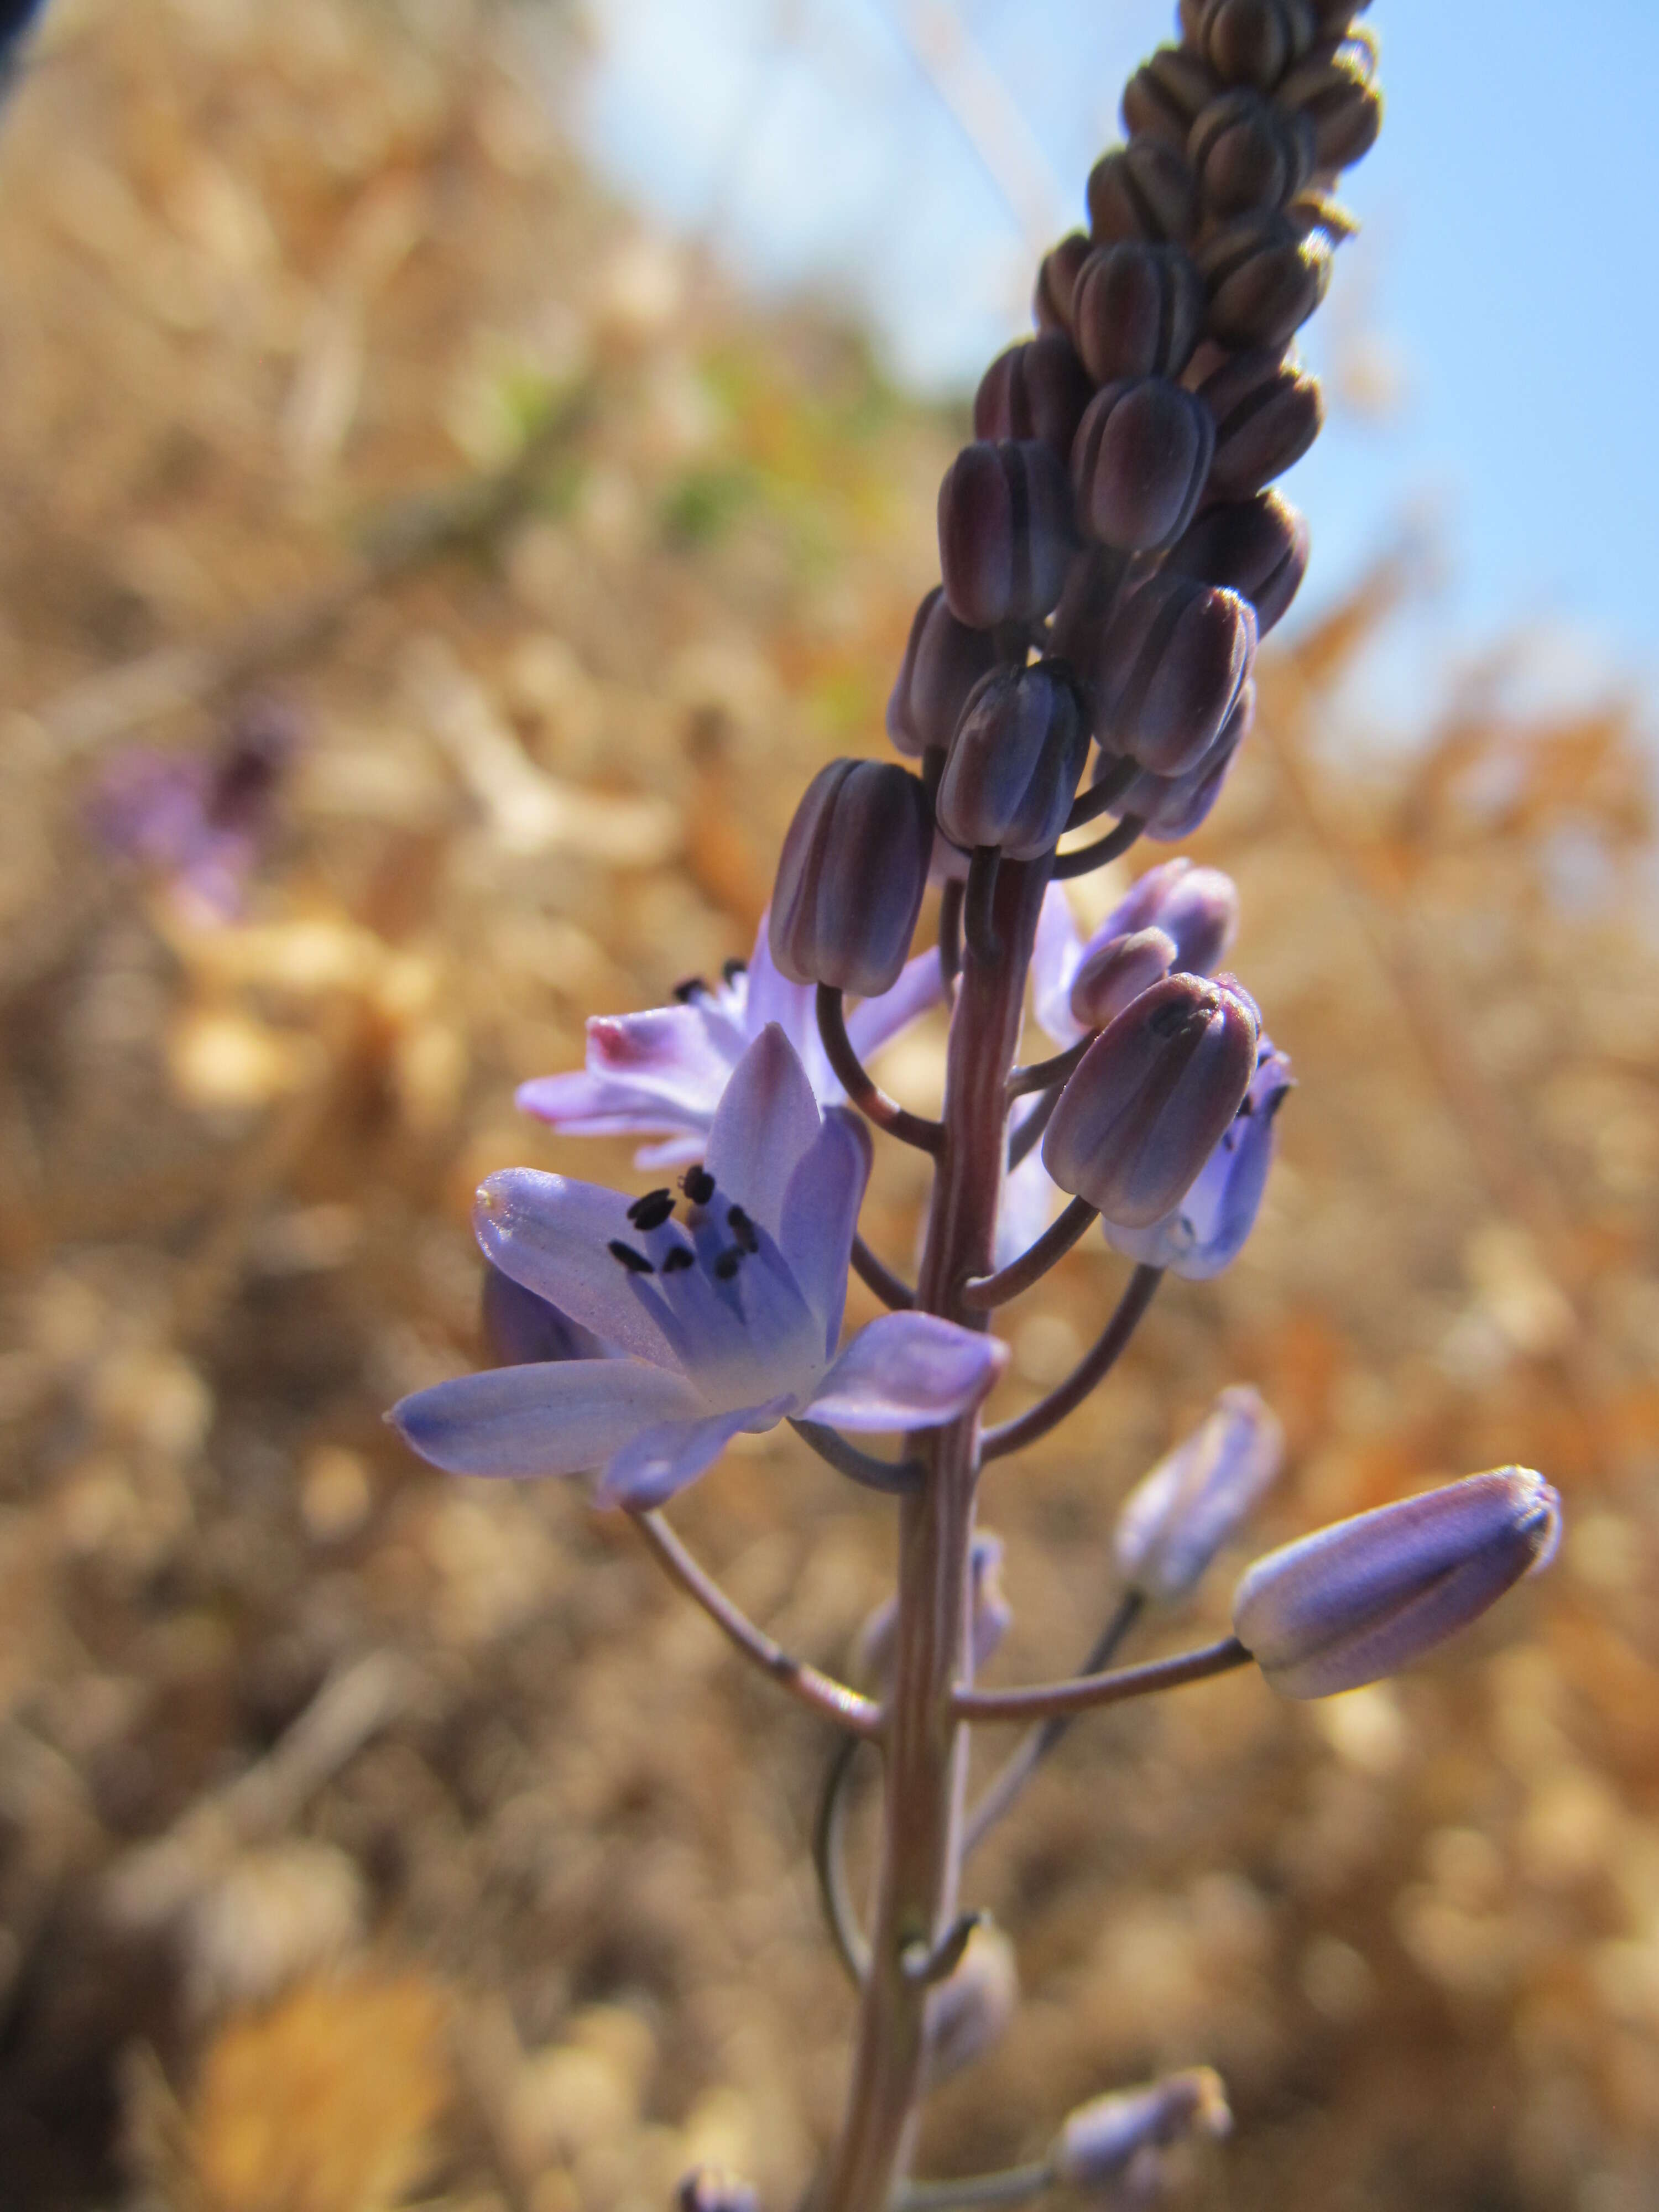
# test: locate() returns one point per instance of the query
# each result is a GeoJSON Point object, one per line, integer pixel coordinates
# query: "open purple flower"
{"type": "Point", "coordinates": [1207, 1230]}
{"type": "Point", "coordinates": [722, 1323]}
{"type": "Point", "coordinates": [662, 1073]}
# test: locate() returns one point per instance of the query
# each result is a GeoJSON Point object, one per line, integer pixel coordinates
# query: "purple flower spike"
{"type": "Point", "coordinates": [661, 1073]}
{"type": "Point", "coordinates": [722, 1323]}
{"type": "Point", "coordinates": [1197, 1498]}
{"type": "Point", "coordinates": [1207, 1230]}
{"type": "Point", "coordinates": [1151, 1098]}
{"type": "Point", "coordinates": [1354, 1602]}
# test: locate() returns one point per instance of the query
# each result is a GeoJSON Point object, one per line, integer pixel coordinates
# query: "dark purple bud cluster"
{"type": "Point", "coordinates": [1114, 511]}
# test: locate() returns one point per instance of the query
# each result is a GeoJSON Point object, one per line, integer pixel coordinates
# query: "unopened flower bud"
{"type": "Point", "coordinates": [851, 877]}
{"type": "Point", "coordinates": [1169, 670]}
{"type": "Point", "coordinates": [1163, 99]}
{"type": "Point", "coordinates": [1170, 807]}
{"type": "Point", "coordinates": [1248, 152]}
{"type": "Point", "coordinates": [711, 2188]}
{"type": "Point", "coordinates": [1256, 547]}
{"type": "Point", "coordinates": [1150, 1098]}
{"type": "Point", "coordinates": [1014, 762]}
{"type": "Point", "coordinates": [1265, 277]}
{"type": "Point", "coordinates": [1100, 2140]}
{"type": "Point", "coordinates": [1333, 87]}
{"type": "Point", "coordinates": [1143, 190]}
{"type": "Point", "coordinates": [1140, 463]}
{"type": "Point", "coordinates": [1038, 390]}
{"type": "Point", "coordinates": [1267, 412]}
{"type": "Point", "coordinates": [1005, 531]}
{"type": "Point", "coordinates": [969, 2012]}
{"type": "Point", "coordinates": [1114, 975]}
{"type": "Point", "coordinates": [1175, 1519]}
{"type": "Point", "coordinates": [1255, 41]}
{"type": "Point", "coordinates": [943, 661]}
{"type": "Point", "coordinates": [1197, 908]}
{"type": "Point", "coordinates": [1354, 1602]}
{"type": "Point", "coordinates": [1138, 310]}
{"type": "Point", "coordinates": [1056, 281]}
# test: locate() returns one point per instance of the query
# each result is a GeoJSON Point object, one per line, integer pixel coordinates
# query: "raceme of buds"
{"type": "Point", "coordinates": [1143, 190]}
{"type": "Point", "coordinates": [851, 877]}
{"type": "Point", "coordinates": [943, 661]}
{"type": "Point", "coordinates": [1251, 41]}
{"type": "Point", "coordinates": [1140, 462]}
{"type": "Point", "coordinates": [710, 2189]}
{"type": "Point", "coordinates": [1248, 153]}
{"type": "Point", "coordinates": [1265, 277]}
{"type": "Point", "coordinates": [969, 2011]}
{"type": "Point", "coordinates": [1333, 87]}
{"type": "Point", "coordinates": [1099, 2140]}
{"type": "Point", "coordinates": [1169, 671]}
{"type": "Point", "coordinates": [1038, 390]}
{"type": "Point", "coordinates": [1267, 412]}
{"type": "Point", "coordinates": [1138, 310]}
{"type": "Point", "coordinates": [1114, 975]}
{"type": "Point", "coordinates": [1198, 908]}
{"type": "Point", "coordinates": [1056, 283]}
{"type": "Point", "coordinates": [1005, 531]}
{"type": "Point", "coordinates": [1175, 1519]}
{"type": "Point", "coordinates": [1354, 1602]}
{"type": "Point", "coordinates": [1256, 547]}
{"type": "Point", "coordinates": [1165, 96]}
{"type": "Point", "coordinates": [1014, 762]}
{"type": "Point", "coordinates": [1150, 1098]}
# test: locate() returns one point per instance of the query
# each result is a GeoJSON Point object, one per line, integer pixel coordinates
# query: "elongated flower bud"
{"type": "Point", "coordinates": [1143, 190]}
{"type": "Point", "coordinates": [1140, 462]}
{"type": "Point", "coordinates": [851, 877]}
{"type": "Point", "coordinates": [1056, 283]}
{"type": "Point", "coordinates": [1038, 390]}
{"type": "Point", "coordinates": [1165, 96]}
{"type": "Point", "coordinates": [1255, 41]}
{"type": "Point", "coordinates": [1005, 531]}
{"type": "Point", "coordinates": [1015, 761]}
{"type": "Point", "coordinates": [1333, 87]}
{"type": "Point", "coordinates": [1248, 152]}
{"type": "Point", "coordinates": [1265, 278]}
{"type": "Point", "coordinates": [1170, 807]}
{"type": "Point", "coordinates": [1357, 1601]}
{"type": "Point", "coordinates": [1150, 1098]}
{"type": "Point", "coordinates": [943, 661]}
{"type": "Point", "coordinates": [1138, 310]}
{"type": "Point", "coordinates": [1175, 1519]}
{"type": "Point", "coordinates": [1114, 975]}
{"type": "Point", "coordinates": [1198, 908]}
{"type": "Point", "coordinates": [1099, 2141]}
{"type": "Point", "coordinates": [1256, 547]}
{"type": "Point", "coordinates": [1267, 412]}
{"type": "Point", "coordinates": [1169, 671]}
{"type": "Point", "coordinates": [968, 2013]}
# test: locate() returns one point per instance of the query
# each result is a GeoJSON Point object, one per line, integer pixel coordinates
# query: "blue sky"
{"type": "Point", "coordinates": [1499, 302]}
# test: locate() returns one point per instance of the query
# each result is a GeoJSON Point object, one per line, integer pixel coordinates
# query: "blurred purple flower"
{"type": "Point", "coordinates": [725, 1324]}
{"type": "Point", "coordinates": [661, 1073]}
{"type": "Point", "coordinates": [202, 820]}
{"type": "Point", "coordinates": [1207, 1230]}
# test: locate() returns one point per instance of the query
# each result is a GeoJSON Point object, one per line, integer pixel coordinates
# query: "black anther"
{"type": "Point", "coordinates": [689, 987]}
{"type": "Point", "coordinates": [636, 1262]}
{"type": "Point", "coordinates": [676, 1260]}
{"type": "Point", "coordinates": [698, 1185]}
{"type": "Point", "coordinates": [743, 1229]}
{"type": "Point", "coordinates": [652, 1210]}
{"type": "Point", "coordinates": [727, 1264]}
{"type": "Point", "coordinates": [732, 968]}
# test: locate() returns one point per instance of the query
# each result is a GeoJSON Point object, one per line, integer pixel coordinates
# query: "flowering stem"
{"type": "Point", "coordinates": [985, 1292]}
{"type": "Point", "coordinates": [860, 1716]}
{"type": "Point", "coordinates": [950, 936]}
{"type": "Point", "coordinates": [1047, 1413]}
{"type": "Point", "coordinates": [876, 1275]}
{"type": "Point", "coordinates": [896, 1477]}
{"type": "Point", "coordinates": [924, 1742]}
{"type": "Point", "coordinates": [1087, 1690]}
{"type": "Point", "coordinates": [1111, 847]}
{"type": "Point", "coordinates": [861, 1087]}
{"type": "Point", "coordinates": [1034, 1747]}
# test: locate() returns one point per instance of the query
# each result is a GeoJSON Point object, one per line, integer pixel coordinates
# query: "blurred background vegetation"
{"type": "Point", "coordinates": [369, 1839]}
